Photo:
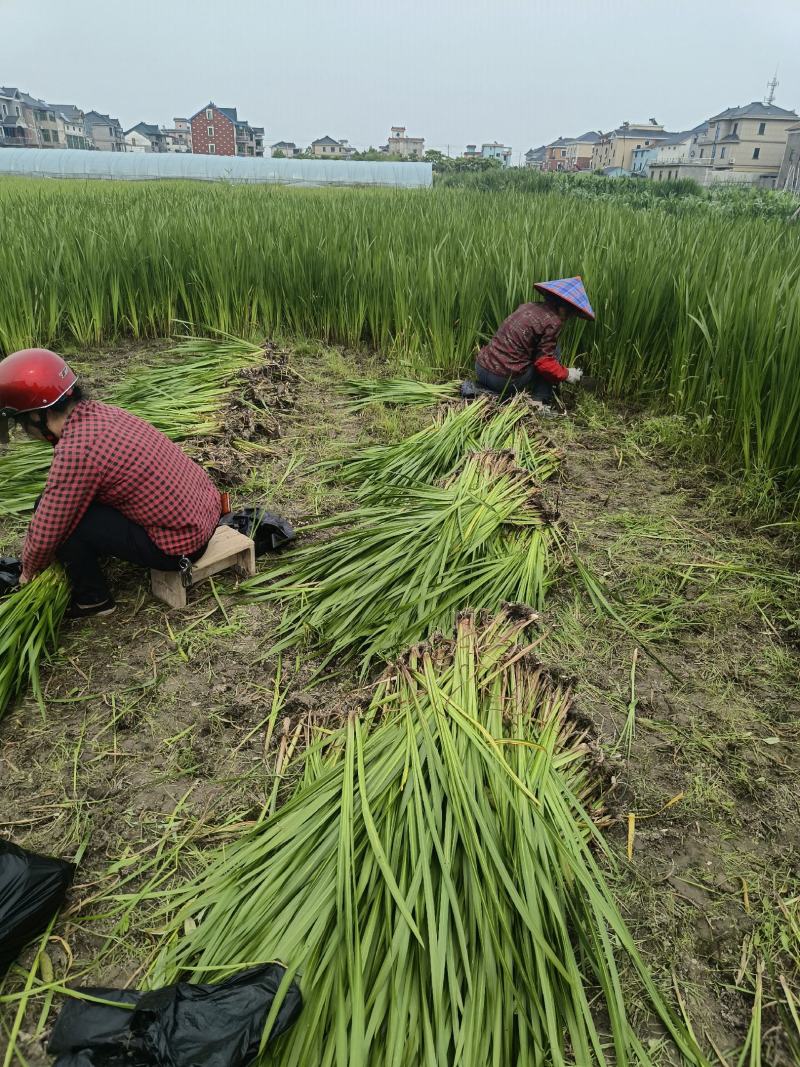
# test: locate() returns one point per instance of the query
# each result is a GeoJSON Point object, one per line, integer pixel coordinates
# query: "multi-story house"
{"type": "Point", "coordinates": [145, 137]}
{"type": "Point", "coordinates": [745, 143]}
{"type": "Point", "coordinates": [74, 126]}
{"type": "Point", "coordinates": [741, 144]}
{"type": "Point", "coordinates": [613, 152]}
{"type": "Point", "coordinates": [285, 149]}
{"type": "Point", "coordinates": [571, 153]}
{"type": "Point", "coordinates": [471, 152]}
{"type": "Point", "coordinates": [789, 174]}
{"type": "Point", "coordinates": [658, 162]}
{"type": "Point", "coordinates": [495, 150]}
{"type": "Point", "coordinates": [327, 148]}
{"type": "Point", "coordinates": [15, 132]}
{"type": "Point", "coordinates": [555, 156]}
{"type": "Point", "coordinates": [178, 137]}
{"type": "Point", "coordinates": [579, 150]}
{"type": "Point", "coordinates": [405, 147]}
{"type": "Point", "coordinates": [104, 131]}
{"type": "Point", "coordinates": [28, 122]}
{"type": "Point", "coordinates": [218, 131]}
{"type": "Point", "coordinates": [535, 157]}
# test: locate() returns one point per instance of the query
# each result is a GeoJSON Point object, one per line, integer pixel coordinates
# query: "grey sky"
{"type": "Point", "coordinates": [513, 71]}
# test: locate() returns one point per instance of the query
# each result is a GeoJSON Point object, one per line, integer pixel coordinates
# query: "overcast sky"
{"type": "Point", "coordinates": [453, 72]}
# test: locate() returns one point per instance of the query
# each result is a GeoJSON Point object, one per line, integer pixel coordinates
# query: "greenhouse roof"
{"type": "Point", "coordinates": [150, 166]}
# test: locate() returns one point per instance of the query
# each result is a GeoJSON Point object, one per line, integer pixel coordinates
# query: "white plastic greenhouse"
{"type": "Point", "coordinates": [150, 166]}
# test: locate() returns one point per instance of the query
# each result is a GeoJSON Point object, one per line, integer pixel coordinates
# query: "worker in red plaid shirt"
{"type": "Point", "coordinates": [117, 487]}
{"type": "Point", "coordinates": [524, 353]}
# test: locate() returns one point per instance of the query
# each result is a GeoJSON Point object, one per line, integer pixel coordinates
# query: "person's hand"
{"type": "Point", "coordinates": [574, 375]}
{"type": "Point", "coordinates": [24, 578]}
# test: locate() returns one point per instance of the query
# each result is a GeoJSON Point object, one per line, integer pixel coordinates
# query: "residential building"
{"type": "Point", "coordinates": [15, 131]}
{"type": "Point", "coordinates": [495, 150]}
{"type": "Point", "coordinates": [28, 122]}
{"type": "Point", "coordinates": [137, 142]}
{"type": "Point", "coordinates": [74, 126]}
{"type": "Point", "coordinates": [75, 135]}
{"type": "Point", "coordinates": [405, 147]}
{"type": "Point", "coordinates": [219, 131]}
{"type": "Point", "coordinates": [287, 149]}
{"type": "Point", "coordinates": [535, 157]}
{"type": "Point", "coordinates": [555, 157]}
{"type": "Point", "coordinates": [789, 174]}
{"type": "Point", "coordinates": [104, 131]}
{"type": "Point", "coordinates": [579, 150]}
{"type": "Point", "coordinates": [471, 152]}
{"type": "Point", "coordinates": [327, 148]}
{"type": "Point", "coordinates": [145, 137]}
{"type": "Point", "coordinates": [741, 144]}
{"type": "Point", "coordinates": [613, 152]}
{"type": "Point", "coordinates": [178, 137]}
{"type": "Point", "coordinates": [677, 148]}
{"type": "Point", "coordinates": [571, 153]}
{"type": "Point", "coordinates": [746, 143]}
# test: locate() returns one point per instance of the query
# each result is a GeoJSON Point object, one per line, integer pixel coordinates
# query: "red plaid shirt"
{"type": "Point", "coordinates": [528, 336]}
{"type": "Point", "coordinates": [108, 455]}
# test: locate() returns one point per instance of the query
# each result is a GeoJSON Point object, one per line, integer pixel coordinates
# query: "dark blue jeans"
{"type": "Point", "coordinates": [534, 383]}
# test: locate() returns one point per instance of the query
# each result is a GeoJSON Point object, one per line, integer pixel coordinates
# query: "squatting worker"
{"type": "Point", "coordinates": [524, 352]}
{"type": "Point", "coordinates": [117, 486]}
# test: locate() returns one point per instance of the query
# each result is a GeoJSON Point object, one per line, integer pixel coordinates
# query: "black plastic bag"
{"type": "Point", "coordinates": [181, 1025]}
{"type": "Point", "coordinates": [270, 532]}
{"type": "Point", "coordinates": [32, 889]}
{"type": "Point", "coordinates": [10, 570]}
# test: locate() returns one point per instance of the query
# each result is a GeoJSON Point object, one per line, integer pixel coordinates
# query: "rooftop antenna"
{"type": "Point", "coordinates": [772, 85]}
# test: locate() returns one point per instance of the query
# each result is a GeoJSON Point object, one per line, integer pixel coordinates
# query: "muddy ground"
{"type": "Point", "coordinates": [154, 743]}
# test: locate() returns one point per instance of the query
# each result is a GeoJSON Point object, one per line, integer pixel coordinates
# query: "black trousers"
{"type": "Point", "coordinates": [529, 380]}
{"type": "Point", "coordinates": [104, 532]}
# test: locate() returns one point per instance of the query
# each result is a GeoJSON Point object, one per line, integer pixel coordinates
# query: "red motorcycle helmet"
{"type": "Point", "coordinates": [31, 379]}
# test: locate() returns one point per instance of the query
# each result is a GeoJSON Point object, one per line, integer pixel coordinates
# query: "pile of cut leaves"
{"type": "Point", "coordinates": [432, 882]}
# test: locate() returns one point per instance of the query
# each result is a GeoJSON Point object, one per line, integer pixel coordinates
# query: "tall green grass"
{"type": "Point", "coordinates": [697, 312]}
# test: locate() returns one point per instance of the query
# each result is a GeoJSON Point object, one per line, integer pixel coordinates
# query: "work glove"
{"type": "Point", "coordinates": [574, 375]}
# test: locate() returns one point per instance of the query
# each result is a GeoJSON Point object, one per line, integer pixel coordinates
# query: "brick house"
{"type": "Point", "coordinates": [218, 131]}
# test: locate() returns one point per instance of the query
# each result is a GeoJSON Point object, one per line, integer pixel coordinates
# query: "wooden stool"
{"type": "Point", "coordinates": [227, 548]}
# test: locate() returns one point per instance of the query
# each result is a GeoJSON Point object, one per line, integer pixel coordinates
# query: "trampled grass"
{"type": "Point", "coordinates": [697, 312]}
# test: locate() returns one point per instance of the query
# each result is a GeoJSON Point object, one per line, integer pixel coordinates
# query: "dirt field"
{"type": "Point", "coordinates": [153, 746]}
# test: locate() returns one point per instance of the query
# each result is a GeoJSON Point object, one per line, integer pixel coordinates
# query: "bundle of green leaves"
{"type": "Point", "coordinates": [29, 624]}
{"type": "Point", "coordinates": [361, 392]}
{"type": "Point", "coordinates": [432, 881]}
{"type": "Point", "coordinates": [435, 450]}
{"type": "Point", "coordinates": [182, 399]}
{"type": "Point", "coordinates": [396, 570]}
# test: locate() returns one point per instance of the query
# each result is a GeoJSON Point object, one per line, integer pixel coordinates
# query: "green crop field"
{"type": "Point", "coordinates": [500, 759]}
{"type": "Point", "coordinates": [698, 311]}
